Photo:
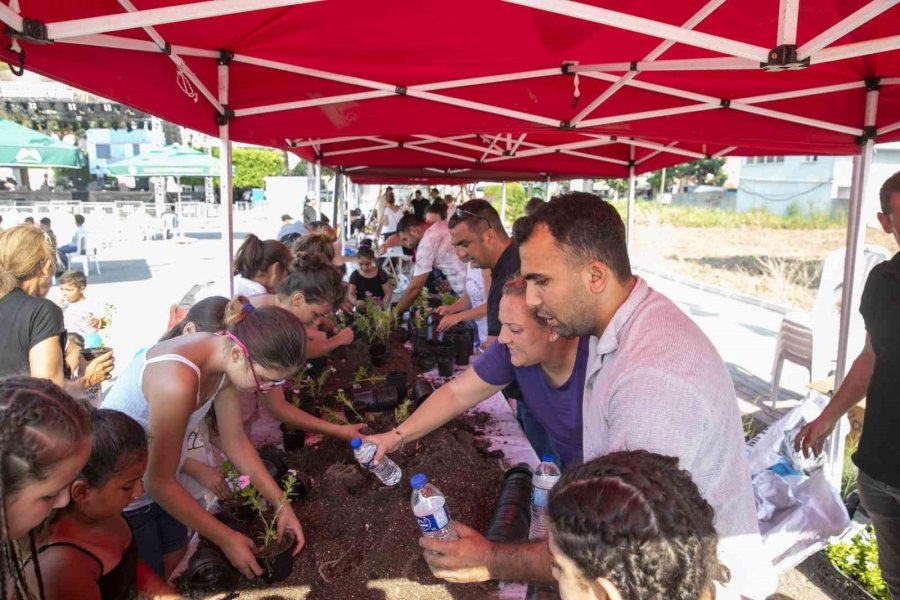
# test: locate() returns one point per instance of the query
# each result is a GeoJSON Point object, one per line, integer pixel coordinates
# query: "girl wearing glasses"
{"type": "Point", "coordinates": [168, 389]}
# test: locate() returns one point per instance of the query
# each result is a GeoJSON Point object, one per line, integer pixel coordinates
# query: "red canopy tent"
{"type": "Point", "coordinates": [377, 84]}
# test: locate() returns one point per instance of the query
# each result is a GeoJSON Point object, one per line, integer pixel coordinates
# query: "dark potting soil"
{"type": "Point", "coordinates": [361, 537]}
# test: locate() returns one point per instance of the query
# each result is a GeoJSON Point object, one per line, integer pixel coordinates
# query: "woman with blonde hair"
{"type": "Point", "coordinates": [32, 327]}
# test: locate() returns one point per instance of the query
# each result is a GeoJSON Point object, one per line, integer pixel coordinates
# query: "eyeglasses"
{"type": "Point", "coordinates": [264, 387]}
{"type": "Point", "coordinates": [464, 215]}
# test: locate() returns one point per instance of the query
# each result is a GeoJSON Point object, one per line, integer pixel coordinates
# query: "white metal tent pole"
{"type": "Point", "coordinates": [318, 190]}
{"type": "Point", "coordinates": [503, 203]}
{"type": "Point", "coordinates": [226, 199]}
{"type": "Point", "coordinates": [853, 258]}
{"type": "Point", "coordinates": [629, 214]}
{"type": "Point", "coordinates": [547, 191]}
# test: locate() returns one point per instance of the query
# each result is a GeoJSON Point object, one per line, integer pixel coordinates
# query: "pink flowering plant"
{"type": "Point", "coordinates": [253, 499]}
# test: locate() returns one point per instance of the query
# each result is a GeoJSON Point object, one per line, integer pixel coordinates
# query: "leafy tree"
{"type": "Point", "coordinates": [703, 171]}
{"type": "Point", "coordinates": [516, 198]}
{"type": "Point", "coordinates": [252, 165]}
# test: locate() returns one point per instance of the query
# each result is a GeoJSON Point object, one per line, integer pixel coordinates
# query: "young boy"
{"type": "Point", "coordinates": [80, 315]}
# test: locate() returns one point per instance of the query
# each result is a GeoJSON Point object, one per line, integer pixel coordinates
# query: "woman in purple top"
{"type": "Point", "coordinates": [549, 368]}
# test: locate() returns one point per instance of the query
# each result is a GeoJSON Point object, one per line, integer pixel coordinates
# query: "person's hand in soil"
{"type": "Point", "coordinates": [287, 520]}
{"type": "Point", "coordinates": [241, 553]}
{"type": "Point", "coordinates": [344, 337]}
{"type": "Point", "coordinates": [448, 321]}
{"type": "Point", "coordinates": [445, 310]}
{"type": "Point", "coordinates": [466, 560]}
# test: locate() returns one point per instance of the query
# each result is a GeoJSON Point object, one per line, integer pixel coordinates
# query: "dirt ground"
{"type": "Point", "coordinates": [781, 266]}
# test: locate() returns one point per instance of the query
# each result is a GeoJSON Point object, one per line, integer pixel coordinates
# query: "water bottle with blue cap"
{"type": "Point", "coordinates": [430, 508]}
{"type": "Point", "coordinates": [545, 477]}
{"type": "Point", "coordinates": [387, 470]}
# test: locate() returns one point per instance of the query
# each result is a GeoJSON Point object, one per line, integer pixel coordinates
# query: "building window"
{"type": "Point", "coordinates": [762, 160]}
{"type": "Point", "coordinates": [103, 151]}
{"type": "Point", "coordinates": [135, 149]}
{"type": "Point", "coordinates": [811, 159]}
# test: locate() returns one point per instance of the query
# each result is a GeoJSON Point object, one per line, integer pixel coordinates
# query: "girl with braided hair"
{"type": "Point", "coordinates": [45, 440]}
{"type": "Point", "coordinates": [89, 546]}
{"type": "Point", "coordinates": [169, 388]}
{"type": "Point", "coordinates": [632, 526]}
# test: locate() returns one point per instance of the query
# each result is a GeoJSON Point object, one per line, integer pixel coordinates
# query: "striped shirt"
{"type": "Point", "coordinates": [655, 382]}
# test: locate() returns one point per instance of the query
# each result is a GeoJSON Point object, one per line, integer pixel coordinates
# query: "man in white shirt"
{"type": "Point", "coordinates": [434, 250]}
{"type": "Point", "coordinates": [77, 245]}
{"type": "Point", "coordinates": [654, 382]}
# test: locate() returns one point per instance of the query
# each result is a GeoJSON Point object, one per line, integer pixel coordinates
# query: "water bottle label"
{"type": "Point", "coordinates": [434, 522]}
{"type": "Point", "coordinates": [539, 497]}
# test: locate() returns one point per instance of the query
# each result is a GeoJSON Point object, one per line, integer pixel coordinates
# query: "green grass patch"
{"type": "Point", "coordinates": [647, 213]}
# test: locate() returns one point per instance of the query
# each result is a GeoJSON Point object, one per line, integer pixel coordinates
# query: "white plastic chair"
{"type": "Point", "coordinates": [809, 339]}
{"type": "Point", "coordinates": [89, 251]}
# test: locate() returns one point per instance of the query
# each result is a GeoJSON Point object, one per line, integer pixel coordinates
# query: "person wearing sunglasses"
{"type": "Point", "coordinates": [169, 388]}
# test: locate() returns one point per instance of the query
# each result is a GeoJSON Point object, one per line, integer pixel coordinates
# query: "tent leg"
{"type": "Point", "coordinates": [503, 203]}
{"type": "Point", "coordinates": [318, 190]}
{"type": "Point", "coordinates": [337, 199]}
{"type": "Point", "coordinates": [227, 198]}
{"type": "Point", "coordinates": [547, 191]}
{"type": "Point", "coordinates": [629, 215]}
{"type": "Point", "coordinates": [851, 292]}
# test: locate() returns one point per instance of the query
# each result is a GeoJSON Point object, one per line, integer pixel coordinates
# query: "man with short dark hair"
{"type": "Point", "coordinates": [532, 205]}
{"type": "Point", "coordinates": [290, 226]}
{"type": "Point", "coordinates": [654, 382]}
{"type": "Point", "coordinates": [434, 250]}
{"type": "Point", "coordinates": [875, 376]}
{"type": "Point", "coordinates": [419, 205]}
{"type": "Point", "coordinates": [48, 231]}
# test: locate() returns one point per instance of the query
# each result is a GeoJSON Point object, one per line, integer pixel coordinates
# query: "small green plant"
{"type": "Point", "coordinates": [362, 376]}
{"type": "Point", "coordinates": [401, 413]}
{"type": "Point", "coordinates": [315, 386]}
{"type": "Point", "coordinates": [255, 500]}
{"type": "Point", "coordinates": [107, 317]}
{"type": "Point", "coordinates": [341, 398]}
{"type": "Point", "coordinates": [448, 299]}
{"type": "Point", "coordinates": [231, 474]}
{"type": "Point", "coordinates": [859, 560]}
{"type": "Point", "coordinates": [749, 425]}
{"type": "Point", "coordinates": [849, 472]}
{"type": "Point", "coordinates": [382, 320]}
{"type": "Point", "coordinates": [333, 416]}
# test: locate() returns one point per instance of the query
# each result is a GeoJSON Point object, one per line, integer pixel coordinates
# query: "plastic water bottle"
{"type": "Point", "coordinates": [543, 480]}
{"type": "Point", "coordinates": [387, 471]}
{"type": "Point", "coordinates": [430, 508]}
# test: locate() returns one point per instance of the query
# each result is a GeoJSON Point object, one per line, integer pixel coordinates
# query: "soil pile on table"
{"type": "Point", "coordinates": [362, 538]}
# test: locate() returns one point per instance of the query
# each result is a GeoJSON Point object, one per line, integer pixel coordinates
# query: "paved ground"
{"type": "Point", "coordinates": [143, 278]}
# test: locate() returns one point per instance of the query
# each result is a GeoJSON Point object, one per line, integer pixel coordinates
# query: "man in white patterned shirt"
{"type": "Point", "coordinates": [434, 250]}
{"type": "Point", "coordinates": [654, 382]}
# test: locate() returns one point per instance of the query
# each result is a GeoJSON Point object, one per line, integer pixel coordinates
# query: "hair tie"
{"type": "Point", "coordinates": [247, 308]}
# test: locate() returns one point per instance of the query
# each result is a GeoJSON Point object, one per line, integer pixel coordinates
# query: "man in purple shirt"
{"type": "Point", "coordinates": [550, 370]}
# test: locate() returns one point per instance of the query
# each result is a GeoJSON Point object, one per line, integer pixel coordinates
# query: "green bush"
{"type": "Point", "coordinates": [859, 560]}
{"type": "Point", "coordinates": [695, 216]}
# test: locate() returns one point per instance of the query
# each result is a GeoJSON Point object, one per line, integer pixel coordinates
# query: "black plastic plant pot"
{"type": "Point", "coordinates": [275, 459]}
{"type": "Point", "coordinates": [418, 334]}
{"type": "Point", "coordinates": [378, 354]}
{"type": "Point", "coordinates": [277, 564]}
{"type": "Point", "coordinates": [398, 380]}
{"type": "Point", "coordinates": [445, 366]}
{"type": "Point", "coordinates": [316, 366]}
{"type": "Point", "coordinates": [377, 399]}
{"type": "Point", "coordinates": [442, 348]}
{"type": "Point", "coordinates": [421, 391]}
{"type": "Point", "coordinates": [301, 488]}
{"type": "Point", "coordinates": [512, 515]}
{"type": "Point", "coordinates": [354, 415]}
{"type": "Point", "coordinates": [425, 362]}
{"type": "Point", "coordinates": [208, 573]}
{"type": "Point", "coordinates": [292, 439]}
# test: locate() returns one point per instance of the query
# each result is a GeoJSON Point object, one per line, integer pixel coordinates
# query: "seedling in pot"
{"type": "Point", "coordinates": [269, 535]}
{"type": "Point", "coordinates": [401, 413]}
{"type": "Point", "coordinates": [341, 398]}
{"type": "Point", "coordinates": [362, 376]}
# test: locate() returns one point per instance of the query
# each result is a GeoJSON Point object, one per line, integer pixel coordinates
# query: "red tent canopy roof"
{"type": "Point", "coordinates": [304, 72]}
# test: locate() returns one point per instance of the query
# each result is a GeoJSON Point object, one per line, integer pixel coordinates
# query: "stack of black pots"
{"type": "Point", "coordinates": [463, 339]}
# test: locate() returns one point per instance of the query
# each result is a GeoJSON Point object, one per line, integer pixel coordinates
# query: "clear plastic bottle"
{"type": "Point", "coordinates": [430, 508]}
{"type": "Point", "coordinates": [387, 471]}
{"type": "Point", "coordinates": [545, 477]}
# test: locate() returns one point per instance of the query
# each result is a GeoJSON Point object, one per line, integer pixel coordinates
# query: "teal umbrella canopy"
{"type": "Point", "coordinates": [175, 160]}
{"type": "Point", "coordinates": [23, 147]}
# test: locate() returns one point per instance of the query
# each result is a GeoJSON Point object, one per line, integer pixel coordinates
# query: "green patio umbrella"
{"type": "Point", "coordinates": [175, 160]}
{"type": "Point", "coordinates": [22, 147]}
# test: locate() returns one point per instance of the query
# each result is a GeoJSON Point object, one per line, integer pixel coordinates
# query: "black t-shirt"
{"type": "Point", "coordinates": [879, 446]}
{"type": "Point", "coordinates": [508, 265]}
{"type": "Point", "coordinates": [420, 206]}
{"type": "Point", "coordinates": [368, 284]}
{"type": "Point", "coordinates": [25, 322]}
